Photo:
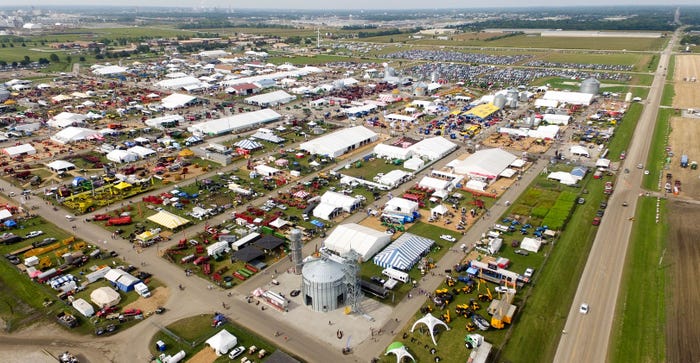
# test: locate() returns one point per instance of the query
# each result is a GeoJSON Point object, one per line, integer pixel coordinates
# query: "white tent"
{"type": "Point", "coordinates": [413, 163]}
{"type": "Point", "coordinates": [159, 121]}
{"type": "Point", "coordinates": [578, 150]}
{"type": "Point", "coordinates": [483, 164]}
{"type": "Point", "coordinates": [401, 206]}
{"type": "Point", "coordinates": [394, 178]}
{"type": "Point", "coordinates": [530, 244]}
{"type": "Point", "coordinates": [222, 342]}
{"type": "Point", "coordinates": [24, 149]}
{"type": "Point", "coordinates": [182, 82]}
{"type": "Point", "coordinates": [438, 210]}
{"type": "Point", "coordinates": [564, 177]}
{"type": "Point", "coordinates": [238, 122]}
{"type": "Point", "coordinates": [345, 202]}
{"type": "Point", "coordinates": [266, 170]}
{"type": "Point", "coordinates": [270, 99]}
{"type": "Point", "coordinates": [553, 119]}
{"type": "Point", "coordinates": [142, 152]}
{"type": "Point", "coordinates": [84, 307]}
{"type": "Point", "coordinates": [65, 119]}
{"type": "Point", "coordinates": [363, 240]}
{"type": "Point", "coordinates": [392, 152]}
{"type": "Point", "coordinates": [105, 296]}
{"type": "Point", "coordinates": [122, 156]}
{"type": "Point", "coordinates": [60, 165]}
{"type": "Point", "coordinates": [73, 134]}
{"type": "Point", "coordinates": [431, 322]}
{"type": "Point", "coordinates": [433, 148]}
{"type": "Point", "coordinates": [340, 142]}
{"type": "Point", "coordinates": [476, 185]}
{"type": "Point", "coordinates": [435, 183]}
{"type": "Point", "coordinates": [177, 100]}
{"type": "Point", "coordinates": [572, 98]}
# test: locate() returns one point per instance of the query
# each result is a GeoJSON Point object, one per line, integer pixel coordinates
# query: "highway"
{"type": "Point", "coordinates": [586, 338]}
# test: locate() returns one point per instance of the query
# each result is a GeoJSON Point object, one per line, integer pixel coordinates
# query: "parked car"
{"type": "Point", "coordinates": [33, 234]}
{"type": "Point", "coordinates": [581, 201]}
{"type": "Point", "coordinates": [521, 252]}
{"type": "Point", "coordinates": [106, 311]}
{"type": "Point", "coordinates": [111, 328]}
{"type": "Point", "coordinates": [448, 238]}
{"type": "Point", "coordinates": [132, 312]}
{"type": "Point", "coordinates": [236, 352]}
{"type": "Point", "coordinates": [528, 272]}
{"type": "Point", "coordinates": [596, 221]}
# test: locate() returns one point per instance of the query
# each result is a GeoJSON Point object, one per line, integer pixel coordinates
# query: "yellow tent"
{"type": "Point", "coordinates": [185, 153]}
{"type": "Point", "coordinates": [168, 220]}
{"type": "Point", "coordinates": [482, 111]}
{"type": "Point", "coordinates": [10, 102]}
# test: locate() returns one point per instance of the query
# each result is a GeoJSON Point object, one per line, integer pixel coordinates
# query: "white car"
{"type": "Point", "coordinates": [236, 352]}
{"type": "Point", "coordinates": [583, 309]}
{"type": "Point", "coordinates": [447, 237]}
{"type": "Point", "coordinates": [33, 234]}
{"type": "Point", "coordinates": [528, 272]}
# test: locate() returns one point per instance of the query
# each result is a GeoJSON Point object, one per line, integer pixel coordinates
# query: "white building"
{"type": "Point", "coordinates": [483, 165]}
{"type": "Point", "coordinates": [270, 99]}
{"type": "Point", "coordinates": [333, 203]}
{"type": "Point", "coordinates": [433, 148]}
{"type": "Point", "coordinates": [235, 123]}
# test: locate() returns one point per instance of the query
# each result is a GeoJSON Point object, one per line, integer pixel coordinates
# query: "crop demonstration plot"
{"type": "Point", "coordinates": [687, 71]}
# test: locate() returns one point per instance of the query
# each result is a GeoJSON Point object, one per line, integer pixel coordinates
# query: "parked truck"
{"type": "Point", "coordinates": [119, 221]}
{"type": "Point", "coordinates": [67, 319]}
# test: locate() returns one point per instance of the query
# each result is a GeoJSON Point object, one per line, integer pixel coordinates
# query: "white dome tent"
{"type": "Point", "coordinates": [222, 342]}
{"type": "Point", "coordinates": [431, 322]}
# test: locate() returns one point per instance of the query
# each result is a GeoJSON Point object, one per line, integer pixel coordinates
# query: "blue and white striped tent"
{"type": "Point", "coordinates": [403, 253]}
{"type": "Point", "coordinates": [248, 144]}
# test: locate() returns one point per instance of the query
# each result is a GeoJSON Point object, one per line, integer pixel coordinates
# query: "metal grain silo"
{"type": "Point", "coordinates": [590, 85]}
{"type": "Point", "coordinates": [4, 94]}
{"type": "Point", "coordinates": [499, 101]}
{"type": "Point", "coordinates": [323, 285]}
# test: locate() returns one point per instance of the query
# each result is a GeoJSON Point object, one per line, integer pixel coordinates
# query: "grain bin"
{"type": "Point", "coordinates": [590, 85]}
{"type": "Point", "coordinates": [323, 285]}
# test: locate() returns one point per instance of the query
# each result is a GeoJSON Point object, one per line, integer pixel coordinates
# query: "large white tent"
{"type": "Point", "coordinates": [485, 164]}
{"type": "Point", "coordinates": [177, 100]}
{"type": "Point", "coordinates": [435, 183]}
{"type": "Point", "coordinates": [222, 342]}
{"type": "Point", "coordinates": [394, 178]}
{"type": "Point", "coordinates": [141, 151]}
{"type": "Point", "coordinates": [182, 82]}
{"type": "Point", "coordinates": [105, 296]}
{"type": "Point", "coordinates": [19, 150]}
{"type": "Point", "coordinates": [74, 134]}
{"type": "Point", "coordinates": [60, 165]}
{"type": "Point", "coordinates": [235, 123]}
{"type": "Point", "coordinates": [65, 119]}
{"type": "Point", "coordinates": [531, 244]}
{"type": "Point", "coordinates": [414, 163]}
{"type": "Point", "coordinates": [403, 253]}
{"type": "Point", "coordinates": [340, 142]}
{"type": "Point", "coordinates": [108, 70]}
{"type": "Point", "coordinates": [122, 156]}
{"type": "Point", "coordinates": [392, 152]}
{"type": "Point", "coordinates": [363, 240]}
{"type": "Point", "coordinates": [332, 201]}
{"type": "Point", "coordinates": [84, 307]}
{"type": "Point", "coordinates": [270, 99]}
{"type": "Point", "coordinates": [433, 148]}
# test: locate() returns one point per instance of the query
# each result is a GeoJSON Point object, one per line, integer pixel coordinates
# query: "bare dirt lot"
{"type": "Point", "coordinates": [687, 91]}
{"type": "Point", "coordinates": [682, 334]}
{"type": "Point", "coordinates": [682, 141]}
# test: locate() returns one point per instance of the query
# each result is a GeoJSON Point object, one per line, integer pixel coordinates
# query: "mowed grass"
{"type": "Point", "coordinates": [538, 326]}
{"type": "Point", "coordinates": [639, 326]}
{"type": "Point", "coordinates": [624, 132]}
{"type": "Point", "coordinates": [667, 96]}
{"type": "Point", "coordinates": [671, 68]}
{"type": "Point", "coordinates": [657, 151]}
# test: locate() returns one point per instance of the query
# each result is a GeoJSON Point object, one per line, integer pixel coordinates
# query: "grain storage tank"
{"type": "Point", "coordinates": [420, 89]}
{"type": "Point", "coordinates": [499, 101]}
{"type": "Point", "coordinates": [323, 285]}
{"type": "Point", "coordinates": [4, 94]}
{"type": "Point", "coordinates": [590, 85]}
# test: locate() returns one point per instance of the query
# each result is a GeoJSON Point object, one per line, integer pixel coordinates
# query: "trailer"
{"type": "Point", "coordinates": [684, 161]}
{"type": "Point", "coordinates": [119, 221]}
{"type": "Point", "coordinates": [395, 274]}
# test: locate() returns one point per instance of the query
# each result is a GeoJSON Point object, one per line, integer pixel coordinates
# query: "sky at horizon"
{"type": "Point", "coordinates": [347, 4]}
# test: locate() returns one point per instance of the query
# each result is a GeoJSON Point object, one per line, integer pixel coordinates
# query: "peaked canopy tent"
{"type": "Point", "coordinates": [267, 135]}
{"type": "Point", "coordinates": [431, 322]}
{"type": "Point", "coordinates": [121, 156]}
{"type": "Point", "coordinates": [222, 342]}
{"type": "Point", "coordinates": [105, 296]}
{"type": "Point", "coordinates": [484, 164]}
{"type": "Point", "coordinates": [248, 144]}
{"type": "Point", "coordinates": [400, 351]}
{"type": "Point", "coordinates": [177, 100]}
{"type": "Point", "coordinates": [363, 240]}
{"type": "Point", "coordinates": [60, 166]}
{"type": "Point", "coordinates": [403, 253]}
{"type": "Point", "coordinates": [433, 148]}
{"type": "Point", "coordinates": [74, 134]}
{"type": "Point", "coordinates": [271, 99]}
{"type": "Point", "coordinates": [19, 150]}
{"type": "Point", "coordinates": [168, 220]}
{"type": "Point", "coordinates": [238, 122]}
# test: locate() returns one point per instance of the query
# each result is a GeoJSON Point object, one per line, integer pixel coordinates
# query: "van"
{"type": "Point", "coordinates": [142, 290]}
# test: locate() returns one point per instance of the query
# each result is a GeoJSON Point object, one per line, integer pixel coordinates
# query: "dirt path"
{"type": "Point", "coordinates": [683, 307]}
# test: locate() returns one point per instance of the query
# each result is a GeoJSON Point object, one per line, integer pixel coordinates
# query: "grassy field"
{"type": "Point", "coordinates": [623, 133]}
{"type": "Point", "coordinates": [642, 79]}
{"type": "Point", "coordinates": [671, 68]}
{"type": "Point", "coordinates": [637, 60]}
{"type": "Point", "coordinates": [190, 333]}
{"type": "Point", "coordinates": [657, 152]}
{"type": "Point", "coordinates": [667, 96]}
{"type": "Point", "coordinates": [639, 327]}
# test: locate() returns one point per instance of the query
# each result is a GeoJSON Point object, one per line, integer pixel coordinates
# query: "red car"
{"type": "Point", "coordinates": [132, 312]}
{"type": "Point", "coordinates": [106, 311]}
{"type": "Point", "coordinates": [596, 221]}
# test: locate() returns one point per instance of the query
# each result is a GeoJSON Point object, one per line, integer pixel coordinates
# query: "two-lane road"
{"type": "Point", "coordinates": [586, 337]}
